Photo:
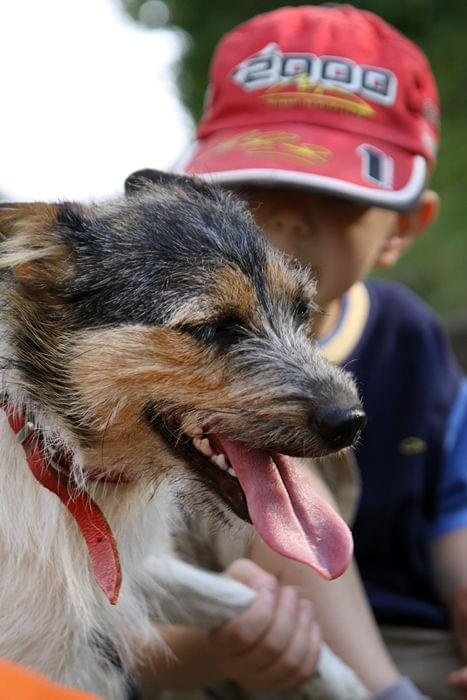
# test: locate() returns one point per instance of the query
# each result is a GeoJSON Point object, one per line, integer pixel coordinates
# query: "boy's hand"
{"type": "Point", "coordinates": [459, 619]}
{"type": "Point", "coordinates": [458, 680]}
{"type": "Point", "coordinates": [272, 646]}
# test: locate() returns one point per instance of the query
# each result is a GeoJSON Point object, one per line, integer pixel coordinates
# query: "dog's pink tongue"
{"type": "Point", "coordinates": [288, 513]}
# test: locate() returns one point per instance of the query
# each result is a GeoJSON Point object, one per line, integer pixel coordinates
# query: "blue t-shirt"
{"type": "Point", "coordinates": [413, 451]}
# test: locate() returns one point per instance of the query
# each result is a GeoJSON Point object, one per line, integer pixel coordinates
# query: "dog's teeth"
{"type": "Point", "coordinates": [203, 446]}
{"type": "Point", "coordinates": [231, 472]}
{"type": "Point", "coordinates": [220, 461]}
{"type": "Point", "coordinates": [206, 448]}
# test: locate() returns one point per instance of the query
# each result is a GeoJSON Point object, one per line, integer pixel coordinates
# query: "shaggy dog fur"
{"type": "Point", "coordinates": [131, 333]}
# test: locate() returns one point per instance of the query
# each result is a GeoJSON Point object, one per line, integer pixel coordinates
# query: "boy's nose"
{"type": "Point", "coordinates": [339, 427]}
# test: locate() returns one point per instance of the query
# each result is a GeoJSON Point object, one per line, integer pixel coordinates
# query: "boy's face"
{"type": "Point", "coordinates": [341, 240]}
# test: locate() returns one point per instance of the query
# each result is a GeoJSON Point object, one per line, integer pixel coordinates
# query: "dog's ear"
{"type": "Point", "coordinates": [34, 246]}
{"type": "Point", "coordinates": [147, 178]}
{"type": "Point", "coordinates": [142, 179]}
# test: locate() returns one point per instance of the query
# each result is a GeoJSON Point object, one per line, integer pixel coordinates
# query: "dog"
{"type": "Point", "coordinates": [156, 352]}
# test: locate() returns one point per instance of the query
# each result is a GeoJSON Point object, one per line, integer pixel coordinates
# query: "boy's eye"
{"type": "Point", "coordinates": [223, 333]}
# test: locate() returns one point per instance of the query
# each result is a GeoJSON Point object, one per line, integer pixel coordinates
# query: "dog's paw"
{"type": "Point", "coordinates": [333, 680]}
{"type": "Point", "coordinates": [197, 597]}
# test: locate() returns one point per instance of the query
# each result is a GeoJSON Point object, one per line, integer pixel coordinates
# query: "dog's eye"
{"type": "Point", "coordinates": [301, 312]}
{"type": "Point", "coordinates": [222, 333]}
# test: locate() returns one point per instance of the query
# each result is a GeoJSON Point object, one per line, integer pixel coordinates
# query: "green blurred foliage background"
{"type": "Point", "coordinates": [436, 267]}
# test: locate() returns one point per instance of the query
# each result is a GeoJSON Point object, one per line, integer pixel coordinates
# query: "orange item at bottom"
{"type": "Point", "coordinates": [18, 683]}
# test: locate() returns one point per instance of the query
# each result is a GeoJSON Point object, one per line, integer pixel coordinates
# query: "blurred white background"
{"type": "Point", "coordinates": [87, 96]}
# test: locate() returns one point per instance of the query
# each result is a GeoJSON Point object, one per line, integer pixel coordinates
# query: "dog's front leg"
{"type": "Point", "coordinates": [333, 680]}
{"type": "Point", "coordinates": [185, 594]}
{"type": "Point", "coordinates": [196, 597]}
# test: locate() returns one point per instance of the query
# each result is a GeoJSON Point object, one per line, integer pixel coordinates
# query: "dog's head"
{"type": "Point", "coordinates": [170, 340]}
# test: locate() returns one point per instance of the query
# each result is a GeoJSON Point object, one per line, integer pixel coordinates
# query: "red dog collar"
{"type": "Point", "coordinates": [95, 529]}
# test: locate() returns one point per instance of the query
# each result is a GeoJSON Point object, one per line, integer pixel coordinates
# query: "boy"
{"type": "Point", "coordinates": [326, 119]}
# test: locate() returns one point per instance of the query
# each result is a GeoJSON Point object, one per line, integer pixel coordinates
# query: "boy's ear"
{"type": "Point", "coordinates": [408, 227]}
{"type": "Point", "coordinates": [32, 243]}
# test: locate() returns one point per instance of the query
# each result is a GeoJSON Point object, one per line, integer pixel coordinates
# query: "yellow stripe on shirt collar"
{"type": "Point", "coordinates": [351, 326]}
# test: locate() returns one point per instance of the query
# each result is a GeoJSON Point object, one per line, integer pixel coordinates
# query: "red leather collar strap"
{"type": "Point", "coordinates": [95, 529]}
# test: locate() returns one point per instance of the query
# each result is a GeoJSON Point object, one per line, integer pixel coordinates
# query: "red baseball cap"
{"type": "Point", "coordinates": [326, 97]}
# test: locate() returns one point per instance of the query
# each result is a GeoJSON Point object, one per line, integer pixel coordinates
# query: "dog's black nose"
{"type": "Point", "coordinates": [338, 427]}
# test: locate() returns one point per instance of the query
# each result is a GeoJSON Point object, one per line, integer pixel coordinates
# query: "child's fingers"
{"type": "Point", "coordinates": [307, 665]}
{"type": "Point", "coordinates": [238, 635]}
{"type": "Point", "coordinates": [297, 661]}
{"type": "Point", "coordinates": [272, 645]}
{"type": "Point", "coordinates": [277, 636]}
{"type": "Point", "coordinates": [249, 573]}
